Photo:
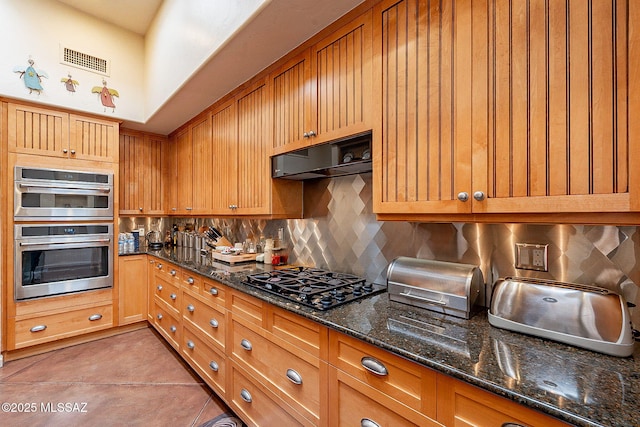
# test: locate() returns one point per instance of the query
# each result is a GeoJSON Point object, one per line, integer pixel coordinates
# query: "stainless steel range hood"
{"type": "Point", "coordinates": [337, 158]}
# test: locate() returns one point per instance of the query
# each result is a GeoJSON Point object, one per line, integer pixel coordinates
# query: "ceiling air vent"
{"type": "Point", "coordinates": [84, 61]}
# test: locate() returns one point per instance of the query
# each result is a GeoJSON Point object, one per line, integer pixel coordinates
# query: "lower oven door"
{"type": "Point", "coordinates": [62, 258]}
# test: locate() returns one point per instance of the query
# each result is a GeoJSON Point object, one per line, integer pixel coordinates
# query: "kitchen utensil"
{"type": "Point", "coordinates": [154, 240]}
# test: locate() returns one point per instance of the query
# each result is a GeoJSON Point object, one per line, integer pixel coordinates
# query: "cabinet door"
{"type": "Point", "coordinates": [421, 160]}
{"type": "Point", "coordinates": [154, 181]}
{"type": "Point", "coordinates": [34, 130]}
{"type": "Point", "coordinates": [556, 113]}
{"type": "Point", "coordinates": [184, 178]}
{"type": "Point", "coordinates": [291, 99]}
{"type": "Point", "coordinates": [132, 153]}
{"type": "Point", "coordinates": [225, 157]}
{"type": "Point", "coordinates": [343, 82]}
{"type": "Point", "coordinates": [93, 139]}
{"type": "Point", "coordinates": [202, 173]}
{"type": "Point", "coordinates": [253, 174]}
{"type": "Point", "coordinates": [132, 284]}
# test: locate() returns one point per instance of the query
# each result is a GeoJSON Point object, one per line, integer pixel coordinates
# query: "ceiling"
{"type": "Point", "coordinates": [278, 28]}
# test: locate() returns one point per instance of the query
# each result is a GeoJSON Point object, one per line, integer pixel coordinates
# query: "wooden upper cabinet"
{"type": "Point", "coordinates": [324, 93]}
{"type": "Point", "coordinates": [52, 133]}
{"type": "Point", "coordinates": [202, 166]}
{"type": "Point", "coordinates": [184, 171]}
{"type": "Point", "coordinates": [142, 157]}
{"type": "Point", "coordinates": [224, 186]}
{"type": "Point", "coordinates": [528, 113]}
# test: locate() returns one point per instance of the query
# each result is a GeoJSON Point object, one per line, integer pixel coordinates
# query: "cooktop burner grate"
{"type": "Point", "coordinates": [313, 287]}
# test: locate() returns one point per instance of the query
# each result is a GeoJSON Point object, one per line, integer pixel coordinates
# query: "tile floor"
{"type": "Point", "coordinates": [133, 379]}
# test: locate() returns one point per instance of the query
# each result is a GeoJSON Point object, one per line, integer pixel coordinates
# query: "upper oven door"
{"type": "Point", "coordinates": [49, 194]}
{"type": "Point", "coordinates": [54, 259]}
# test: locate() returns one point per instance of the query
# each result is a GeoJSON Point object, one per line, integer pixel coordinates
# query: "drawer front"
{"type": "Point", "coordinates": [258, 406]}
{"type": "Point", "coordinates": [210, 320]}
{"type": "Point", "coordinates": [168, 325]}
{"type": "Point", "coordinates": [250, 309]}
{"type": "Point", "coordinates": [191, 281]}
{"type": "Point", "coordinates": [401, 379]}
{"type": "Point", "coordinates": [296, 330]}
{"type": "Point", "coordinates": [296, 377]}
{"type": "Point", "coordinates": [205, 359]}
{"type": "Point", "coordinates": [52, 327]}
{"type": "Point", "coordinates": [168, 292]}
{"type": "Point", "coordinates": [214, 291]}
{"type": "Point", "coordinates": [357, 404]}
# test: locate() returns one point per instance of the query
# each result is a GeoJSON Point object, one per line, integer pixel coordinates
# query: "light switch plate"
{"type": "Point", "coordinates": [531, 256]}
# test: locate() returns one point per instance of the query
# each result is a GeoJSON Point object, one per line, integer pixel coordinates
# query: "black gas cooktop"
{"type": "Point", "coordinates": [312, 287]}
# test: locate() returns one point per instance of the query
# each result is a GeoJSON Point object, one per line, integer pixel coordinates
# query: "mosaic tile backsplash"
{"type": "Point", "coordinates": [341, 233]}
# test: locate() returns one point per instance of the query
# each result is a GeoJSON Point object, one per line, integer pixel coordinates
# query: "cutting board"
{"type": "Point", "coordinates": [233, 259]}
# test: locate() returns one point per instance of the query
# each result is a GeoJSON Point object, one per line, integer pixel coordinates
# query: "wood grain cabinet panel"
{"type": "Point", "coordinates": [205, 359]}
{"type": "Point", "coordinates": [527, 113]}
{"type": "Point", "coordinates": [132, 289]}
{"type": "Point", "coordinates": [205, 318]}
{"type": "Point", "coordinates": [93, 139]}
{"type": "Point", "coordinates": [167, 323]}
{"type": "Point", "coordinates": [225, 156]}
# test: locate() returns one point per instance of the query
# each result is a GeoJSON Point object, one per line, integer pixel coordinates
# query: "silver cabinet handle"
{"type": "Point", "coordinates": [159, 287]}
{"type": "Point", "coordinates": [173, 329]}
{"type": "Point", "coordinates": [191, 308]}
{"type": "Point", "coordinates": [65, 151]}
{"type": "Point", "coordinates": [213, 323]}
{"type": "Point", "coordinates": [151, 261]}
{"type": "Point", "coordinates": [38, 328]}
{"type": "Point", "coordinates": [311, 133]}
{"type": "Point", "coordinates": [245, 395]}
{"type": "Point", "coordinates": [214, 366]}
{"type": "Point", "coordinates": [173, 296]}
{"type": "Point", "coordinates": [305, 135]}
{"type": "Point", "coordinates": [463, 196]}
{"type": "Point", "coordinates": [159, 316]}
{"type": "Point", "coordinates": [189, 208]}
{"type": "Point", "coordinates": [374, 366]}
{"type": "Point", "coordinates": [190, 345]}
{"type": "Point", "coordinates": [173, 272]}
{"type": "Point", "coordinates": [479, 196]}
{"type": "Point", "coordinates": [95, 317]}
{"type": "Point", "coordinates": [73, 151]}
{"type": "Point", "coordinates": [140, 209]}
{"type": "Point", "coordinates": [159, 266]}
{"type": "Point", "coordinates": [294, 376]}
{"type": "Point", "coordinates": [190, 280]}
{"type": "Point", "coordinates": [246, 344]}
{"type": "Point", "coordinates": [213, 291]}
{"type": "Point", "coordinates": [366, 422]}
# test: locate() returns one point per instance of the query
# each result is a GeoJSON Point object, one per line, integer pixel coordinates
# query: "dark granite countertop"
{"type": "Point", "coordinates": [577, 386]}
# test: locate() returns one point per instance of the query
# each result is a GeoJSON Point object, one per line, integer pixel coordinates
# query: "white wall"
{"type": "Point", "coordinates": [36, 28]}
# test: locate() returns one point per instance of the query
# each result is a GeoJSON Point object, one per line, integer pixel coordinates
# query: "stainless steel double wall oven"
{"type": "Point", "coordinates": [63, 228]}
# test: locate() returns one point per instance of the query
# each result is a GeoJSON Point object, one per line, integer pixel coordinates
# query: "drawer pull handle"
{"type": "Point", "coordinates": [245, 395]}
{"type": "Point", "coordinates": [246, 344]}
{"type": "Point", "coordinates": [190, 280]}
{"type": "Point", "coordinates": [214, 366]}
{"type": "Point", "coordinates": [213, 291]}
{"type": "Point", "coordinates": [159, 288]}
{"type": "Point", "coordinates": [38, 328]}
{"type": "Point", "coordinates": [173, 272]}
{"type": "Point", "coordinates": [374, 366]}
{"type": "Point", "coordinates": [151, 261]}
{"type": "Point", "coordinates": [173, 296]}
{"type": "Point", "coordinates": [159, 316]}
{"type": "Point", "coordinates": [173, 329]}
{"type": "Point", "coordinates": [159, 266]}
{"type": "Point", "coordinates": [213, 323]}
{"type": "Point", "coordinates": [191, 345]}
{"type": "Point", "coordinates": [366, 422]}
{"type": "Point", "coordinates": [95, 317]}
{"type": "Point", "coordinates": [191, 308]}
{"type": "Point", "coordinates": [294, 376]}
{"type": "Point", "coordinates": [511, 425]}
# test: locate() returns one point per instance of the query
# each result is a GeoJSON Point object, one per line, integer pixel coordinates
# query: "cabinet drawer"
{"type": "Point", "coordinates": [257, 405]}
{"type": "Point", "coordinates": [296, 330]}
{"type": "Point", "coordinates": [399, 378]}
{"type": "Point", "coordinates": [168, 326]}
{"type": "Point", "coordinates": [209, 320]}
{"type": "Point", "coordinates": [294, 377]}
{"type": "Point", "coordinates": [168, 272]}
{"type": "Point", "coordinates": [247, 307]}
{"type": "Point", "coordinates": [354, 403]}
{"type": "Point", "coordinates": [207, 361]}
{"type": "Point", "coordinates": [191, 281]}
{"type": "Point", "coordinates": [168, 292]}
{"type": "Point", "coordinates": [37, 330]}
{"type": "Point", "coordinates": [214, 291]}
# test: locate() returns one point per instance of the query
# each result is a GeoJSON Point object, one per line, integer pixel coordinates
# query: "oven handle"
{"type": "Point", "coordinates": [65, 243]}
{"type": "Point", "coordinates": [67, 190]}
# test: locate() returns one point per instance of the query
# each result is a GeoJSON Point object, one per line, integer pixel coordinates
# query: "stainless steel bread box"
{"type": "Point", "coordinates": [581, 315]}
{"type": "Point", "coordinates": [444, 287]}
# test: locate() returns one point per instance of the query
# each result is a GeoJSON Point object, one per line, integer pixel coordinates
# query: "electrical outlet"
{"type": "Point", "coordinates": [531, 256]}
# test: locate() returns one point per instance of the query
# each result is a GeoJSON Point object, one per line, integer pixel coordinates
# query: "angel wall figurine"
{"type": "Point", "coordinates": [69, 83]}
{"type": "Point", "coordinates": [31, 76]}
{"type": "Point", "coordinates": [106, 95]}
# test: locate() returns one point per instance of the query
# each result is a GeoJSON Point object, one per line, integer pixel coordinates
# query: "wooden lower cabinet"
{"type": "Point", "coordinates": [209, 362]}
{"type": "Point", "coordinates": [209, 320]}
{"type": "Point", "coordinates": [132, 289]}
{"type": "Point", "coordinates": [166, 322]}
{"type": "Point", "coordinates": [354, 403]}
{"type": "Point", "coordinates": [463, 405]}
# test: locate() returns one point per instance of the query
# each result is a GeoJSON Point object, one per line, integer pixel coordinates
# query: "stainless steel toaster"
{"type": "Point", "coordinates": [581, 315]}
{"type": "Point", "coordinates": [444, 287]}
